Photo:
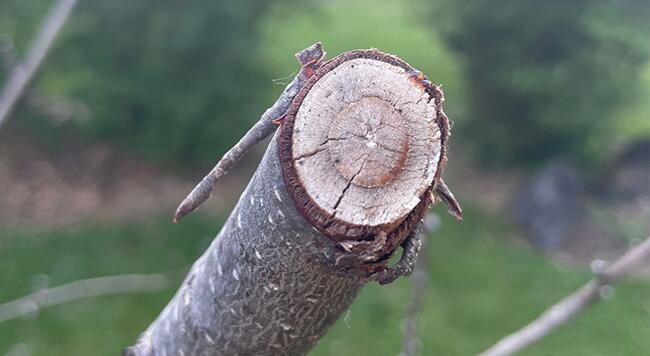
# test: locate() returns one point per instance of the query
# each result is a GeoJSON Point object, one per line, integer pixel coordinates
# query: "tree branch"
{"type": "Point", "coordinates": [310, 59]}
{"type": "Point", "coordinates": [21, 74]}
{"type": "Point", "coordinates": [280, 272]}
{"type": "Point", "coordinates": [58, 109]}
{"type": "Point", "coordinates": [82, 289]}
{"type": "Point", "coordinates": [567, 308]}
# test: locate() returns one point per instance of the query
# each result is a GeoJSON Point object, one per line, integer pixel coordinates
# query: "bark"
{"type": "Point", "coordinates": [294, 253]}
{"type": "Point", "coordinates": [266, 285]}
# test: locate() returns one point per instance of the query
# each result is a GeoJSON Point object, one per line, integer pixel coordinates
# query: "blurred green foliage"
{"type": "Point", "coordinates": [101, 326]}
{"type": "Point", "coordinates": [390, 26]}
{"type": "Point", "coordinates": [181, 81]}
{"type": "Point", "coordinates": [548, 78]}
{"type": "Point", "coordinates": [170, 79]}
{"type": "Point", "coordinates": [496, 289]}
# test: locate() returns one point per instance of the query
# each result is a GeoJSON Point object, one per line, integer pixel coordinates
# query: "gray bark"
{"type": "Point", "coordinates": [265, 286]}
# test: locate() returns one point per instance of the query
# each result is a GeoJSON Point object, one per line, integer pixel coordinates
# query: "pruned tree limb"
{"type": "Point", "coordinates": [273, 281]}
{"type": "Point", "coordinates": [22, 74]}
{"type": "Point", "coordinates": [82, 289]}
{"type": "Point", "coordinates": [264, 286]}
{"type": "Point", "coordinates": [569, 307]}
{"type": "Point", "coordinates": [310, 59]}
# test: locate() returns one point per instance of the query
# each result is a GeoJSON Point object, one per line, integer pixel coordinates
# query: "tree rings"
{"type": "Point", "coordinates": [361, 146]}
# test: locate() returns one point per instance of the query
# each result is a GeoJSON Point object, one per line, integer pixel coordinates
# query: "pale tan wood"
{"type": "Point", "coordinates": [366, 142]}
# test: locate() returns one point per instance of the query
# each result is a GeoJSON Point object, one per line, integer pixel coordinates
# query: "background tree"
{"type": "Point", "coordinates": [545, 78]}
{"type": "Point", "coordinates": [163, 78]}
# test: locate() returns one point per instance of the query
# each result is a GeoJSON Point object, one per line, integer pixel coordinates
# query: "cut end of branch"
{"type": "Point", "coordinates": [358, 164]}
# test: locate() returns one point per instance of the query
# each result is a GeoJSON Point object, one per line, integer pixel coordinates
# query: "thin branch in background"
{"type": "Point", "coordinates": [21, 74]}
{"type": "Point", "coordinates": [82, 289]}
{"type": "Point", "coordinates": [419, 283]}
{"type": "Point", "coordinates": [56, 108]}
{"type": "Point", "coordinates": [570, 306]}
{"type": "Point", "coordinates": [310, 59]}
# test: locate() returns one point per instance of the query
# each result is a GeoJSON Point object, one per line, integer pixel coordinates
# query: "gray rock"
{"type": "Point", "coordinates": [549, 205]}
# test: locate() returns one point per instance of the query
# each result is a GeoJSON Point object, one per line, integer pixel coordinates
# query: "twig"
{"type": "Point", "coordinates": [419, 283]}
{"type": "Point", "coordinates": [570, 306]}
{"type": "Point", "coordinates": [81, 289]}
{"type": "Point", "coordinates": [23, 73]}
{"type": "Point", "coordinates": [310, 59]}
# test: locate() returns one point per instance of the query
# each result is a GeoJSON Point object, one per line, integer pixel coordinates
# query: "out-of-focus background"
{"type": "Point", "coordinates": [136, 101]}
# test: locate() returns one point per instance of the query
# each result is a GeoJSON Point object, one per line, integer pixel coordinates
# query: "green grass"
{"type": "Point", "coordinates": [481, 288]}
{"type": "Point", "coordinates": [104, 325]}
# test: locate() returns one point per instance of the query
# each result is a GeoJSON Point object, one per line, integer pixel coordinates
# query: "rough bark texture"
{"type": "Point", "coordinates": [284, 268]}
{"type": "Point", "coordinates": [266, 285]}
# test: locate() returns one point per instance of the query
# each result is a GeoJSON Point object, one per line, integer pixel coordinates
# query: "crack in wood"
{"type": "Point", "coordinates": [336, 205]}
{"type": "Point", "coordinates": [321, 147]}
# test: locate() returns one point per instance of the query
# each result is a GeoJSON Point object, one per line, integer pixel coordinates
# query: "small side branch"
{"type": "Point", "coordinates": [82, 289]}
{"type": "Point", "coordinates": [407, 262]}
{"type": "Point", "coordinates": [22, 74]}
{"type": "Point", "coordinates": [567, 308]}
{"type": "Point", "coordinates": [310, 59]}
